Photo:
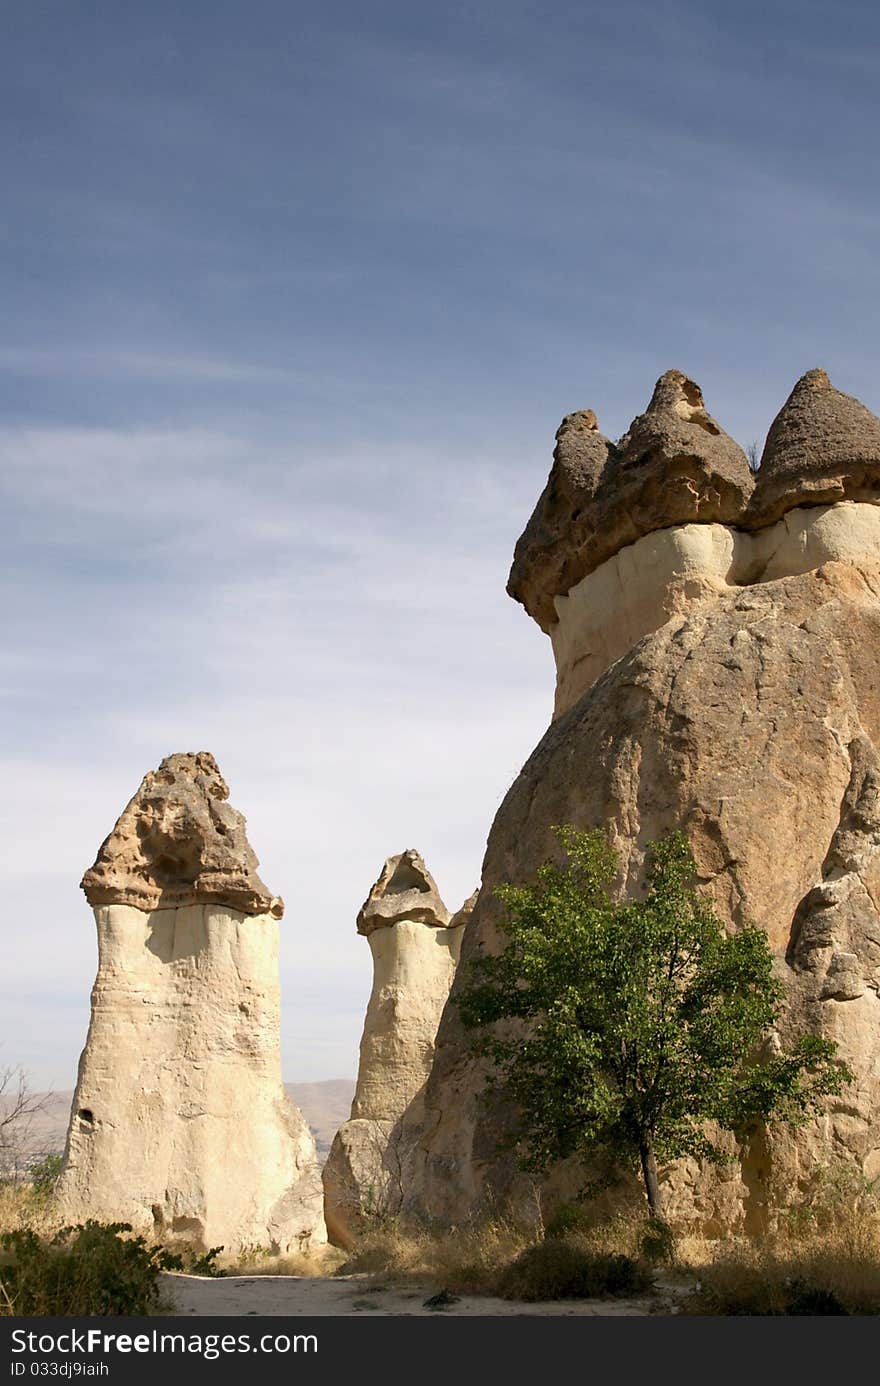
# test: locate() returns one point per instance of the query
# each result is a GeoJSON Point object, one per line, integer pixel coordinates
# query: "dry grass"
{"type": "Point", "coordinates": [827, 1267]}
{"type": "Point", "coordinates": [21, 1206]}
{"type": "Point", "coordinates": [259, 1260]}
{"type": "Point", "coordinates": [823, 1258]}
{"type": "Point", "coordinates": [500, 1257]}
{"type": "Point", "coordinates": [466, 1259]}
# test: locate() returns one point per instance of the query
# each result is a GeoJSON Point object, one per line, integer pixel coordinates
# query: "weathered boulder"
{"type": "Point", "coordinates": [727, 686]}
{"type": "Point", "coordinates": [415, 944]}
{"type": "Point", "coordinates": [180, 1124]}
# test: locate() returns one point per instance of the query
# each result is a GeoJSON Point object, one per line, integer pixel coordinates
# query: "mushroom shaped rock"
{"type": "Point", "coordinates": [823, 446]}
{"type": "Point", "coordinates": [675, 465]}
{"type": "Point", "coordinates": [405, 890]}
{"type": "Point", "coordinates": [415, 943]}
{"type": "Point", "coordinates": [720, 678]}
{"type": "Point", "coordinates": [180, 842]}
{"type": "Point", "coordinates": [180, 1124]}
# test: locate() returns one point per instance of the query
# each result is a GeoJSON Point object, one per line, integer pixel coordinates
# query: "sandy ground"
{"type": "Point", "coordinates": [285, 1295]}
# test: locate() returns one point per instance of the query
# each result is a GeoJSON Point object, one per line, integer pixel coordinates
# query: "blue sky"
{"type": "Point", "coordinates": [294, 298]}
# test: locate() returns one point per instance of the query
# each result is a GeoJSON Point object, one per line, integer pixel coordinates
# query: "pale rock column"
{"type": "Point", "coordinates": [415, 943]}
{"type": "Point", "coordinates": [180, 1124]}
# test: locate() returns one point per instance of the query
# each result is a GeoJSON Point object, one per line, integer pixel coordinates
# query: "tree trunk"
{"type": "Point", "coordinates": [649, 1174]}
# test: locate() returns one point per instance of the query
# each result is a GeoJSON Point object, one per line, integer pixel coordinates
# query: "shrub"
{"type": "Point", "coordinates": [555, 1269]}
{"type": "Point", "coordinates": [658, 1242]}
{"type": "Point", "coordinates": [569, 1218]}
{"type": "Point", "coordinates": [192, 1262]}
{"type": "Point", "coordinates": [91, 1269]}
{"type": "Point", "coordinates": [44, 1173]}
{"type": "Point", "coordinates": [813, 1300]}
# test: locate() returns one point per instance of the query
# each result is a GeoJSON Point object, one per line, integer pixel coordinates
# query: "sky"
{"type": "Point", "coordinates": [294, 297]}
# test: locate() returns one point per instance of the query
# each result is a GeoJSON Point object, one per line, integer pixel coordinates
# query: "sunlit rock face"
{"type": "Point", "coordinates": [717, 639]}
{"type": "Point", "coordinates": [667, 573]}
{"type": "Point", "coordinates": [415, 944]}
{"type": "Point", "coordinates": [180, 1124]}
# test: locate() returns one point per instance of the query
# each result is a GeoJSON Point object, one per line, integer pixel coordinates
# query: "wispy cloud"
{"type": "Point", "coordinates": [351, 660]}
{"type": "Point", "coordinates": [134, 365]}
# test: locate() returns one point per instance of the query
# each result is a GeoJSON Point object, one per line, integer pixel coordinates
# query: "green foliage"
{"type": "Point", "coordinates": [44, 1173]}
{"type": "Point", "coordinates": [574, 1218]}
{"type": "Point", "coordinates": [657, 1242]}
{"type": "Point", "coordinates": [627, 1026]}
{"type": "Point", "coordinates": [836, 1193]}
{"type": "Point", "coordinates": [555, 1269]}
{"type": "Point", "coordinates": [92, 1268]}
{"type": "Point", "coordinates": [88, 1269]}
{"type": "Point", "coordinates": [193, 1262]}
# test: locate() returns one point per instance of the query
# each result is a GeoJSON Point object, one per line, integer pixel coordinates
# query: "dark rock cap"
{"type": "Point", "coordinates": [823, 446]}
{"type": "Point", "coordinates": [675, 465]}
{"type": "Point", "coordinates": [553, 551]}
{"type": "Point", "coordinates": [179, 842]}
{"type": "Point", "coordinates": [405, 890]}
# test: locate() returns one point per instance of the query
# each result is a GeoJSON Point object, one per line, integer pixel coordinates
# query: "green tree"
{"type": "Point", "coordinates": [628, 1026]}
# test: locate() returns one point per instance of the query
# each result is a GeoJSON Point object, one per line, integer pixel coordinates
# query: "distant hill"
{"type": "Point", "coordinates": [325, 1107]}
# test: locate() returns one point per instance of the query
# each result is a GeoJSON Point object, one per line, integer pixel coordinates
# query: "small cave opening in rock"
{"type": "Point", "coordinates": [86, 1116]}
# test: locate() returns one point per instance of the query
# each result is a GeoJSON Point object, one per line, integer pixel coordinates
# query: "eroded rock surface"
{"type": "Point", "coordinates": [823, 446]}
{"type": "Point", "coordinates": [735, 696]}
{"type": "Point", "coordinates": [415, 944]}
{"type": "Point", "coordinates": [180, 1124]}
{"type": "Point", "coordinates": [179, 842]}
{"type": "Point", "coordinates": [675, 465]}
{"type": "Point", "coordinates": [670, 572]}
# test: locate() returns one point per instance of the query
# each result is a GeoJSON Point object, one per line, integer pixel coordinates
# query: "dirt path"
{"type": "Point", "coordinates": [285, 1295]}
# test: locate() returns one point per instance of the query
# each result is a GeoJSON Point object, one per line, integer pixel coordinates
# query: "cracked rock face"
{"type": "Point", "coordinates": [415, 944]}
{"type": "Point", "coordinates": [736, 697]}
{"type": "Point", "coordinates": [180, 1124]}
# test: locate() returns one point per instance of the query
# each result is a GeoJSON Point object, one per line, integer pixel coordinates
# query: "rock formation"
{"type": "Point", "coordinates": [674, 466]}
{"type": "Point", "coordinates": [415, 944]}
{"type": "Point", "coordinates": [180, 1124]}
{"type": "Point", "coordinates": [823, 446]}
{"type": "Point", "coordinates": [717, 641]}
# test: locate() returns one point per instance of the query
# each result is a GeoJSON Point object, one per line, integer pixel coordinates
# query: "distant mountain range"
{"type": "Point", "coordinates": [325, 1107]}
